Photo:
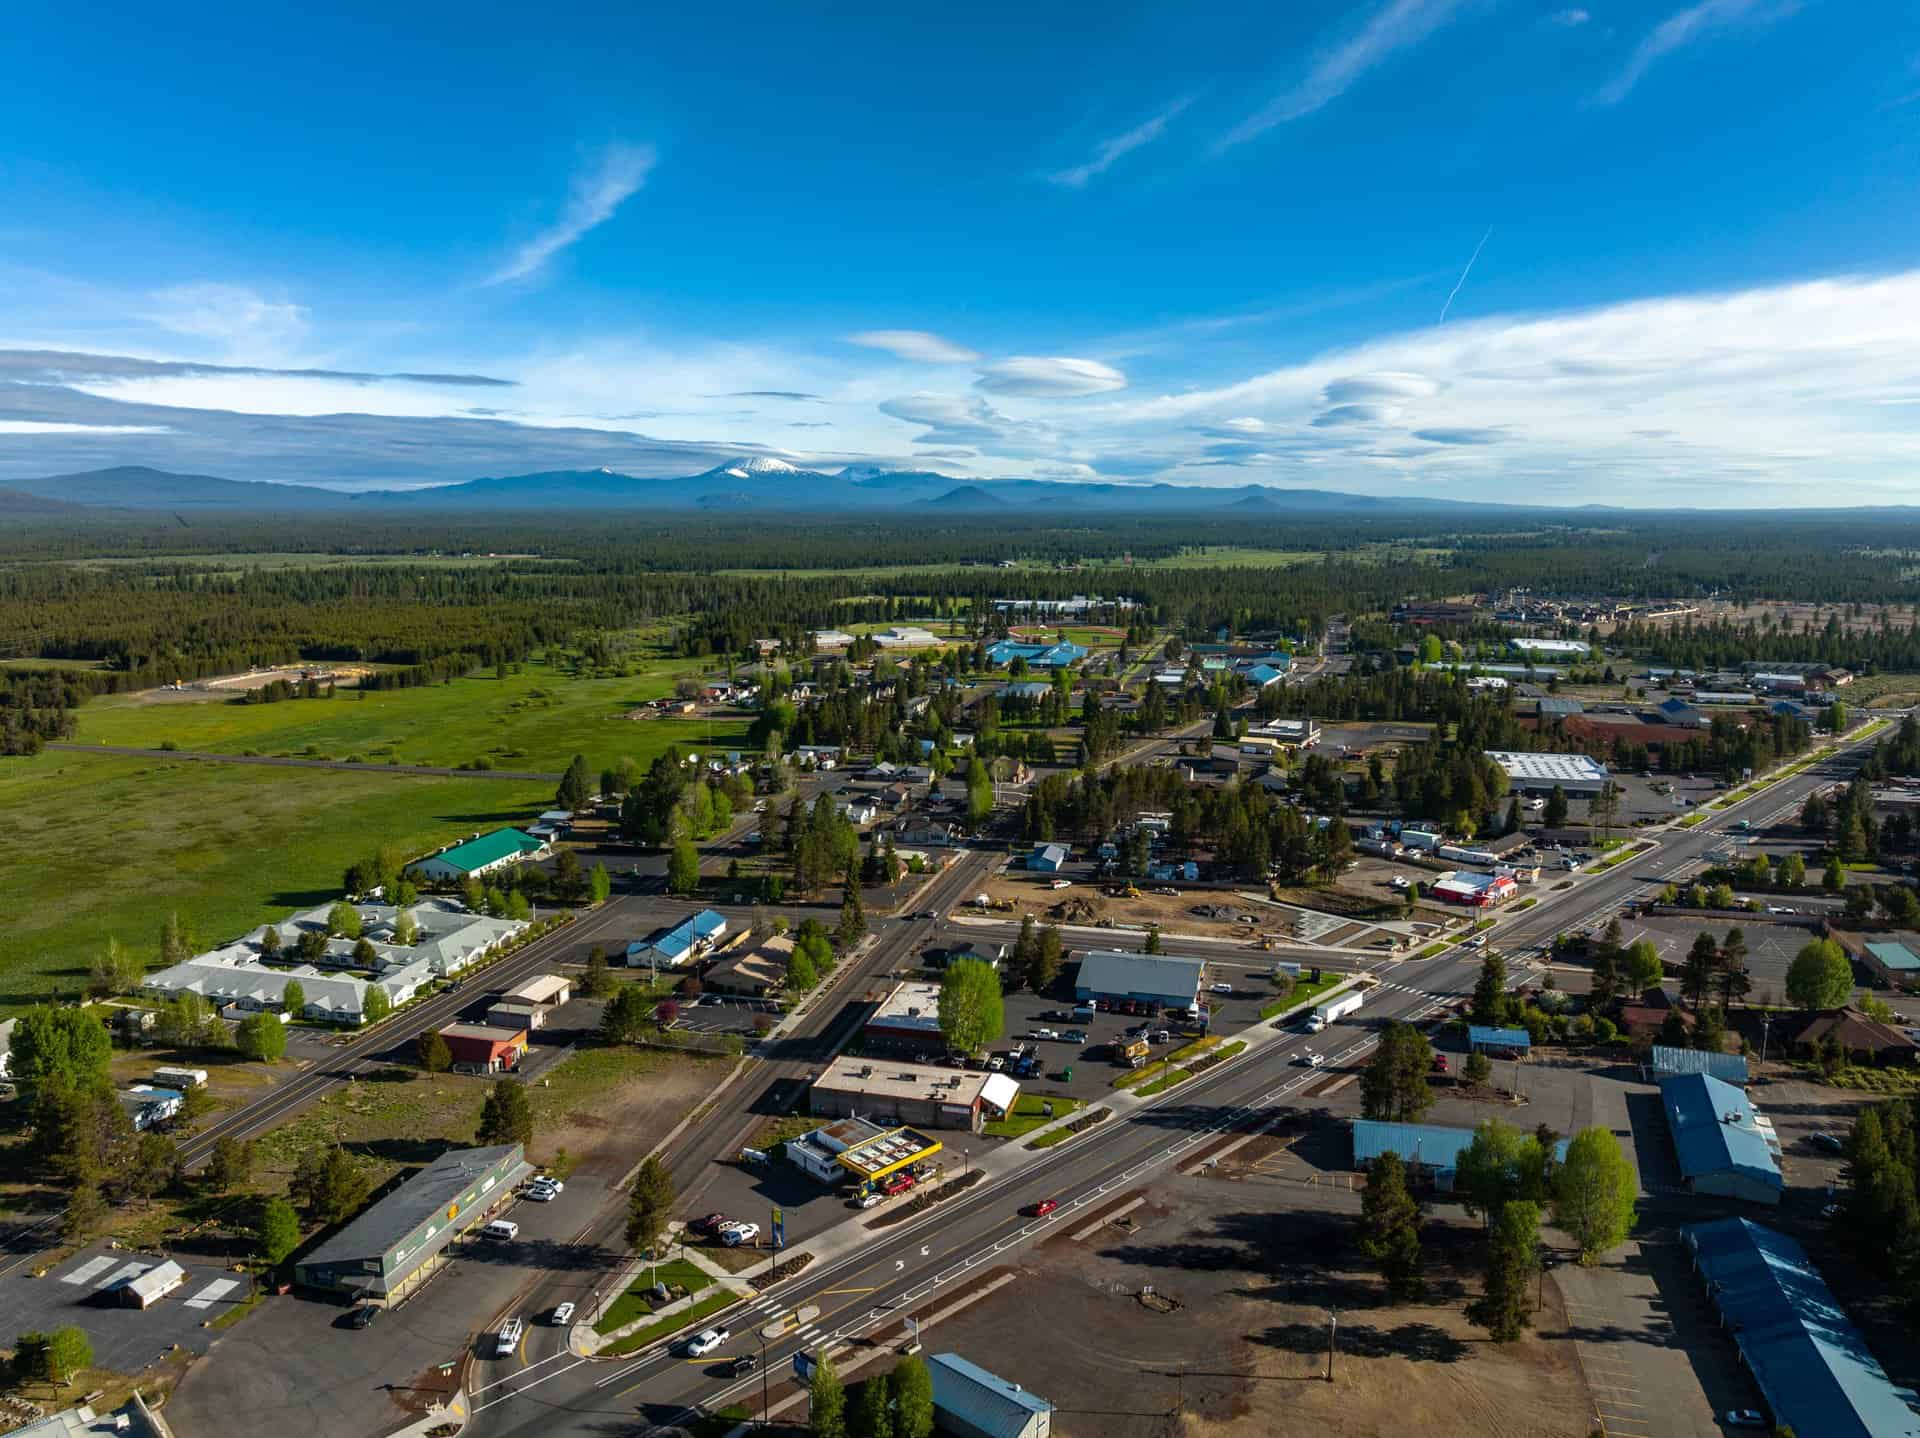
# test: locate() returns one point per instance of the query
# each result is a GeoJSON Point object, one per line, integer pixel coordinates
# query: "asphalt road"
{"type": "Point", "coordinates": [902, 1268]}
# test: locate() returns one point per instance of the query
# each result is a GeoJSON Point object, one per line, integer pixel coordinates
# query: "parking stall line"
{"type": "Point", "coordinates": [91, 1268]}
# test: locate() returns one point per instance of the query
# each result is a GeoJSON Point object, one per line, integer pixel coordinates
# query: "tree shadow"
{"type": "Point", "coordinates": [1417, 1342]}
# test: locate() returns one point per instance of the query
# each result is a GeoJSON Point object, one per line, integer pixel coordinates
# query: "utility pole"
{"type": "Point", "coordinates": [763, 1380]}
{"type": "Point", "coordinates": [1333, 1324]}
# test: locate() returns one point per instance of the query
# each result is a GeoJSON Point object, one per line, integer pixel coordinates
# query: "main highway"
{"type": "Point", "coordinates": [919, 1263]}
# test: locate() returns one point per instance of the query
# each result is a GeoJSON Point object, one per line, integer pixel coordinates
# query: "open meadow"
{"type": "Point", "coordinates": [94, 846]}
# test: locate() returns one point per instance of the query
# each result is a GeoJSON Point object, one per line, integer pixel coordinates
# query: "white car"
{"type": "Point", "coordinates": [1220, 988]}
{"type": "Point", "coordinates": [562, 1314]}
{"type": "Point", "coordinates": [508, 1338]}
{"type": "Point", "coordinates": [701, 1344]}
{"type": "Point", "coordinates": [1399, 881]}
{"type": "Point", "coordinates": [735, 1234]}
{"type": "Point", "coordinates": [1312, 1060]}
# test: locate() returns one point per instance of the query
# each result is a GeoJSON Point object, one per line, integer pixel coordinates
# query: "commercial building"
{"type": "Point", "coordinates": [547, 990]}
{"type": "Point", "coordinates": [831, 639]}
{"type": "Point", "coordinates": [906, 636]}
{"type": "Point", "coordinates": [686, 940]}
{"type": "Point", "coordinates": [132, 1420]}
{"type": "Point", "coordinates": [1572, 774]}
{"type": "Point", "coordinates": [861, 1150]}
{"type": "Point", "coordinates": [1163, 979]}
{"type": "Point", "coordinates": [1474, 891]}
{"type": "Point", "coordinates": [1723, 1147]}
{"type": "Point", "coordinates": [754, 971]}
{"type": "Point", "coordinates": [1558, 648]}
{"type": "Point", "coordinates": [1893, 962]}
{"type": "Point", "coordinates": [890, 1091]}
{"type": "Point", "coordinates": [1429, 1149]}
{"type": "Point", "coordinates": [970, 1402]}
{"type": "Point", "coordinates": [512, 1014]}
{"type": "Point", "coordinates": [1499, 1043]}
{"type": "Point", "coordinates": [1048, 858]}
{"type": "Point", "coordinates": [481, 1048]}
{"type": "Point", "coordinates": [1859, 1037]}
{"type": "Point", "coordinates": [907, 1022]}
{"type": "Point", "coordinates": [981, 950]}
{"type": "Point", "coordinates": [1728, 1068]}
{"type": "Point", "coordinates": [1063, 655]}
{"type": "Point", "coordinates": [478, 855]}
{"type": "Point", "coordinates": [1288, 733]}
{"type": "Point", "coordinates": [389, 1249]}
{"type": "Point", "coordinates": [1810, 1363]}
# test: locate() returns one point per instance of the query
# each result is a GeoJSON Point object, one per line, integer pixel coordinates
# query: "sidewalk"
{"type": "Point", "coordinates": [585, 1340]}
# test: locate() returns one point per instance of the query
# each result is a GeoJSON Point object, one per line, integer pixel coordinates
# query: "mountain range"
{"type": "Point", "coordinates": [761, 483]}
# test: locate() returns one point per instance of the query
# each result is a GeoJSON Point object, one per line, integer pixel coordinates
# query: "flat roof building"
{"type": "Point", "coordinates": [754, 971]}
{"type": "Point", "coordinates": [1428, 1147]}
{"type": "Point", "coordinates": [1540, 773]}
{"type": "Point", "coordinates": [385, 1253]}
{"type": "Point", "coordinates": [867, 1152]}
{"type": "Point", "coordinates": [1728, 1068]}
{"type": "Point", "coordinates": [1162, 979]}
{"type": "Point", "coordinates": [482, 1048]}
{"type": "Point", "coordinates": [1811, 1364]}
{"type": "Point", "coordinates": [892, 1091]}
{"type": "Point", "coordinates": [670, 948]}
{"type": "Point", "coordinates": [1561, 648]}
{"type": "Point", "coordinates": [908, 1021]}
{"type": "Point", "coordinates": [548, 989]}
{"type": "Point", "coordinates": [1498, 1042]}
{"type": "Point", "coordinates": [1723, 1147]}
{"type": "Point", "coordinates": [970, 1402]}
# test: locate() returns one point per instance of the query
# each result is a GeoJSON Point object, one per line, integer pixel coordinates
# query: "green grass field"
{"type": "Point", "coordinates": [537, 719]}
{"type": "Point", "coordinates": [92, 846]}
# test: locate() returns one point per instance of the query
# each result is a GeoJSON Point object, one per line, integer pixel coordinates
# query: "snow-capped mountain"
{"type": "Point", "coordinates": [760, 464]}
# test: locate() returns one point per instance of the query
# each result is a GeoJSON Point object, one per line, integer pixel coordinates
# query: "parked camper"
{"type": "Point", "coordinates": [180, 1078]}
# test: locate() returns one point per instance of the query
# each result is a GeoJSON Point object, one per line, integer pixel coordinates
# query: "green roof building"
{"type": "Point", "coordinates": [479, 854]}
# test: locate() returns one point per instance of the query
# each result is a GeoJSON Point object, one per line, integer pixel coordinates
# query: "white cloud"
{"type": "Point", "coordinates": [1396, 26]}
{"type": "Point", "coordinates": [969, 421]}
{"type": "Point", "coordinates": [1679, 29]}
{"type": "Point", "coordinates": [918, 346]}
{"type": "Point", "coordinates": [1108, 152]}
{"type": "Point", "coordinates": [244, 322]}
{"type": "Point", "coordinates": [1059, 377]}
{"type": "Point", "coordinates": [1245, 424]}
{"type": "Point", "coordinates": [593, 199]}
{"type": "Point", "coordinates": [1734, 394]}
{"type": "Point", "coordinates": [1571, 19]}
{"type": "Point", "coordinates": [41, 426]}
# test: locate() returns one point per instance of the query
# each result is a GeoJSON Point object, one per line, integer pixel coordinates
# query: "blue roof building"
{"type": "Point", "coordinates": [970, 1402]}
{"type": "Point", "coordinates": [1428, 1145]}
{"type": "Point", "coordinates": [672, 947]}
{"type": "Point", "coordinates": [1678, 711]}
{"type": "Point", "coordinates": [1895, 961]}
{"type": "Point", "coordinates": [1048, 858]}
{"type": "Point", "coordinates": [1481, 1038]}
{"type": "Point", "coordinates": [1038, 656]}
{"type": "Point", "coordinates": [1728, 1068]}
{"type": "Point", "coordinates": [1723, 1146]}
{"type": "Point", "coordinates": [1811, 1364]}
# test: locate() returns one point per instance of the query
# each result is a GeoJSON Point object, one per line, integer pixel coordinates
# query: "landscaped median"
{"type": "Point", "coordinates": [1198, 1066]}
{"type": "Point", "coordinates": [637, 1302]}
{"type": "Point", "coordinates": [1303, 991]}
{"type": "Point", "coordinates": [1159, 1066]}
{"type": "Point", "coordinates": [653, 1332]}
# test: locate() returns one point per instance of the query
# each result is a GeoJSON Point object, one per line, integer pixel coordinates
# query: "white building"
{"type": "Point", "coordinates": [1572, 774]}
{"type": "Point", "coordinates": [1563, 648]}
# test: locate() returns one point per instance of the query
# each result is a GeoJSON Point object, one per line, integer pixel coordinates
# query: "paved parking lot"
{"type": "Point", "coordinates": [1770, 947]}
{"type": "Point", "coordinates": [83, 1291]}
{"type": "Point", "coordinates": [722, 1014]}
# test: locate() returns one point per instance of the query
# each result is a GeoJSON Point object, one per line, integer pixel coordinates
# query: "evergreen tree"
{"type": "Point", "coordinates": [1026, 950]}
{"type": "Point", "coordinates": [598, 980]}
{"type": "Point", "coordinates": [1554, 816]}
{"type": "Point", "coordinates": [649, 1205]}
{"type": "Point", "coordinates": [576, 786]}
{"type": "Point", "coordinates": [434, 1055]}
{"type": "Point", "coordinates": [231, 1164]}
{"type": "Point", "coordinates": [853, 919]}
{"type": "Point", "coordinates": [1390, 1228]}
{"type": "Point", "coordinates": [1697, 977]}
{"type": "Point", "coordinates": [1047, 959]}
{"type": "Point", "coordinates": [1505, 1305]}
{"type": "Point", "coordinates": [1490, 990]}
{"type": "Point", "coordinates": [506, 1116]}
{"type": "Point", "coordinates": [1732, 979]}
{"type": "Point", "coordinates": [1394, 1084]}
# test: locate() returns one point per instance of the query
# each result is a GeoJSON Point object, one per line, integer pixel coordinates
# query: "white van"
{"type": "Point", "coordinates": [500, 1228]}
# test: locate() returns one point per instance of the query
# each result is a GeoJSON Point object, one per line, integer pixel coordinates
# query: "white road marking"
{"type": "Point", "coordinates": [214, 1291]}
{"type": "Point", "coordinates": [87, 1270]}
{"type": "Point", "coordinates": [122, 1274]}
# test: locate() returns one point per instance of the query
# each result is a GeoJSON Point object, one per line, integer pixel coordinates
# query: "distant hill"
{"type": "Point", "coordinates": [967, 496]}
{"type": "Point", "coordinates": [762, 484]}
{"type": "Point", "coordinates": [18, 501]}
{"type": "Point", "coordinates": [137, 487]}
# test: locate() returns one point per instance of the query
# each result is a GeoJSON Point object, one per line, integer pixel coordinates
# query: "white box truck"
{"type": "Point", "coordinates": [1331, 1011]}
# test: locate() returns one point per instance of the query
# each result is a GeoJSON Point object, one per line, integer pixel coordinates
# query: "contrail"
{"type": "Point", "coordinates": [1464, 273]}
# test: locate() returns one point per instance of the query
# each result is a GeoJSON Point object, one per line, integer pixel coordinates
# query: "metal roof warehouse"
{"type": "Point", "coordinates": [388, 1249]}
{"type": "Point", "coordinates": [1539, 773]}
{"type": "Point", "coordinates": [1811, 1364]}
{"type": "Point", "coordinates": [1143, 978]}
{"type": "Point", "coordinates": [1724, 1147]}
{"type": "Point", "coordinates": [972, 1403]}
{"type": "Point", "coordinates": [1728, 1068]}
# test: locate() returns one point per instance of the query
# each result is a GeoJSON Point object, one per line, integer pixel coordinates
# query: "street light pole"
{"type": "Point", "coordinates": [1333, 1324]}
{"type": "Point", "coordinates": [763, 1379]}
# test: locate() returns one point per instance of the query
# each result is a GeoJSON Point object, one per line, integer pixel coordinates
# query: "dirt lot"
{"type": "Point", "coordinates": [1084, 903]}
{"type": "Point", "coordinates": [1244, 1353]}
{"type": "Point", "coordinates": [226, 686]}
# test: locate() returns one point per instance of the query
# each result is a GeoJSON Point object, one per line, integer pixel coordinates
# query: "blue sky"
{"type": "Point", "coordinates": [1203, 244]}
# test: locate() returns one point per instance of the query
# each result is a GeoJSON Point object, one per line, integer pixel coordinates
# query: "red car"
{"type": "Point", "coordinates": [1044, 1207]}
{"type": "Point", "coordinates": [899, 1183]}
{"type": "Point", "coordinates": [708, 1225]}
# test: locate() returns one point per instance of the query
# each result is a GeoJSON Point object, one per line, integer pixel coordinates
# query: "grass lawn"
{"type": "Point", "coordinates": [537, 719]}
{"type": "Point", "coordinates": [776, 1131]}
{"type": "Point", "coordinates": [1164, 1082]}
{"type": "Point", "coordinates": [1303, 990]}
{"type": "Point", "coordinates": [685, 1318]}
{"type": "Point", "coordinates": [1027, 1114]}
{"type": "Point", "coordinates": [93, 846]}
{"type": "Point", "coordinates": [1896, 1083]}
{"type": "Point", "coordinates": [636, 1302]}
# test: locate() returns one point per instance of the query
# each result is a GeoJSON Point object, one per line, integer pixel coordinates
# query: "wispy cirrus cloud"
{"type": "Point", "coordinates": [595, 196]}
{"type": "Point", "coordinates": [1109, 152]}
{"type": "Point", "coordinates": [239, 319]}
{"type": "Point", "coordinates": [918, 346]}
{"type": "Point", "coordinates": [1677, 31]}
{"type": "Point", "coordinates": [1569, 19]}
{"type": "Point", "coordinates": [1398, 25]}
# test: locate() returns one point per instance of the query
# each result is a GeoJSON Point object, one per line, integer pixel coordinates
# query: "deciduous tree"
{"type": "Point", "coordinates": [911, 1387]}
{"type": "Point", "coordinates": [277, 1231]}
{"type": "Point", "coordinates": [971, 1012]}
{"type": "Point", "coordinates": [1820, 976]}
{"type": "Point", "coordinates": [261, 1037]}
